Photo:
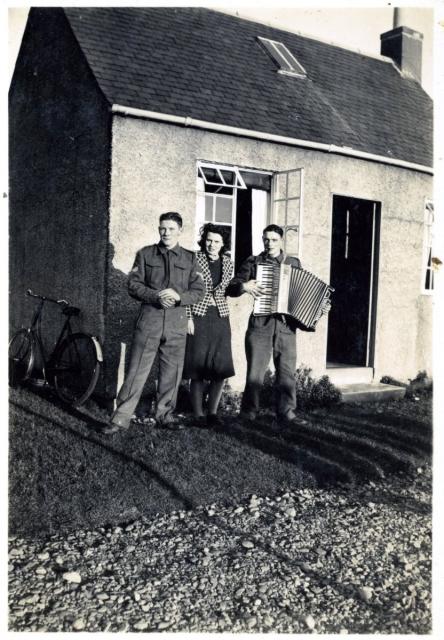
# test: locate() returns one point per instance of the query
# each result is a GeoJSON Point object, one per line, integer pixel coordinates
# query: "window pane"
{"type": "Point", "coordinates": [294, 184]}
{"type": "Point", "coordinates": [228, 176]}
{"type": "Point", "coordinates": [293, 207]}
{"type": "Point", "coordinates": [208, 208]}
{"type": "Point", "coordinates": [429, 280]}
{"type": "Point", "coordinates": [283, 57]}
{"type": "Point", "coordinates": [279, 213]}
{"type": "Point", "coordinates": [211, 175]}
{"type": "Point", "coordinates": [224, 208]}
{"type": "Point", "coordinates": [226, 191]}
{"type": "Point", "coordinates": [292, 242]}
{"type": "Point", "coordinates": [281, 186]}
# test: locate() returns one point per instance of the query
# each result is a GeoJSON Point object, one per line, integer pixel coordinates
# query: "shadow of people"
{"type": "Point", "coordinates": [121, 314]}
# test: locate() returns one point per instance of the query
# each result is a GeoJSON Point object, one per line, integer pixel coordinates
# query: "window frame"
{"type": "Point", "coordinates": [428, 222]}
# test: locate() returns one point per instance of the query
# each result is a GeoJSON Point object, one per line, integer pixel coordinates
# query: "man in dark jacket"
{"type": "Point", "coordinates": [269, 335]}
{"type": "Point", "coordinates": [165, 279]}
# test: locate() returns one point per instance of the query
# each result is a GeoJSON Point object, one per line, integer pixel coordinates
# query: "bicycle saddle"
{"type": "Point", "coordinates": [71, 311]}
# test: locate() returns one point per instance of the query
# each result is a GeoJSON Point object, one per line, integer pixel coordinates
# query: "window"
{"type": "Point", "coordinates": [287, 207]}
{"type": "Point", "coordinates": [428, 247]}
{"type": "Point", "coordinates": [237, 199]}
{"type": "Point", "coordinates": [285, 60]}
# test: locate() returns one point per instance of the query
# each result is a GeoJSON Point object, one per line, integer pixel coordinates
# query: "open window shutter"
{"type": "Point", "coordinates": [286, 209]}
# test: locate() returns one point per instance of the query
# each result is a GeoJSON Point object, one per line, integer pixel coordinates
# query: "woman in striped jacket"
{"type": "Point", "coordinates": [208, 355]}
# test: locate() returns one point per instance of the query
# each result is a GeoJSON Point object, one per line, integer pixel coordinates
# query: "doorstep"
{"type": "Point", "coordinates": [346, 374]}
{"type": "Point", "coordinates": [374, 392]}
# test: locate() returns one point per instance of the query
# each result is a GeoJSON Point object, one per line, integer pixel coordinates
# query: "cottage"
{"type": "Point", "coordinates": [119, 114]}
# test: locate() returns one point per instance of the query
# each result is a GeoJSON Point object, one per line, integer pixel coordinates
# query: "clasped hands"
{"type": "Point", "coordinates": [253, 288]}
{"type": "Point", "coordinates": [167, 298]}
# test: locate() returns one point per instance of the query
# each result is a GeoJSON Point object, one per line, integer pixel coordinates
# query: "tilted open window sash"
{"type": "Point", "coordinates": [285, 60]}
{"type": "Point", "coordinates": [286, 207]}
{"type": "Point", "coordinates": [220, 176]}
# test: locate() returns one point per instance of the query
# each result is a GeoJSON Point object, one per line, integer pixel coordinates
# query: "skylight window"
{"type": "Point", "coordinates": [287, 63]}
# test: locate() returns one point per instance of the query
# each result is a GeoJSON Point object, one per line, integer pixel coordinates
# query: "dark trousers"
{"type": "Point", "coordinates": [267, 336]}
{"type": "Point", "coordinates": [162, 332]}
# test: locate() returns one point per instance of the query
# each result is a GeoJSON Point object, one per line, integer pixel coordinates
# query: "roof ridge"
{"type": "Point", "coordinates": [302, 34]}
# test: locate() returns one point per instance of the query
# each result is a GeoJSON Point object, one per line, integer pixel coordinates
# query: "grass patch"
{"type": "Point", "coordinates": [64, 475]}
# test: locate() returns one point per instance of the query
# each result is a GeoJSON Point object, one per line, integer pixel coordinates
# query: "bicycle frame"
{"type": "Point", "coordinates": [35, 329]}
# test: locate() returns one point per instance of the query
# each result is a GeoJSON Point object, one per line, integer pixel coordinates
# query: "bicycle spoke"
{"type": "Point", "coordinates": [76, 369]}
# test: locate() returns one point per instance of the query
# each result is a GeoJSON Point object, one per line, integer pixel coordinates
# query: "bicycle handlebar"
{"type": "Point", "coordinates": [36, 295]}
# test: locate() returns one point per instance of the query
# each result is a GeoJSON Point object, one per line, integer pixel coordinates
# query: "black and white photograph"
{"type": "Point", "coordinates": [224, 272]}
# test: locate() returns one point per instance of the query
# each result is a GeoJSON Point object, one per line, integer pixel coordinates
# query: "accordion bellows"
{"type": "Point", "coordinates": [292, 291]}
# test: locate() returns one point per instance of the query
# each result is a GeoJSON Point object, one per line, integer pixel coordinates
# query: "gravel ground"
{"type": "Point", "coordinates": [349, 560]}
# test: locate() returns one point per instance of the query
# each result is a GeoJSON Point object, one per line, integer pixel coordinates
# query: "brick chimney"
{"type": "Point", "coordinates": [404, 46]}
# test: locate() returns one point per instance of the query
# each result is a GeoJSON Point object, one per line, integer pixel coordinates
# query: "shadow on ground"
{"type": "Point", "coordinates": [63, 474]}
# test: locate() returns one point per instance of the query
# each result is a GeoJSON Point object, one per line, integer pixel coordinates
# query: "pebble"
{"type": "Point", "coordinates": [141, 625]}
{"type": "Point", "coordinates": [72, 576]}
{"type": "Point", "coordinates": [309, 621]}
{"type": "Point", "coordinates": [79, 624]}
{"type": "Point", "coordinates": [365, 593]}
{"type": "Point", "coordinates": [43, 556]}
{"type": "Point", "coordinates": [251, 622]}
{"type": "Point", "coordinates": [165, 624]}
{"type": "Point", "coordinates": [247, 544]}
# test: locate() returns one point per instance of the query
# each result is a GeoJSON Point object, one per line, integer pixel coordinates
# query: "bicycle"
{"type": "Point", "coordinates": [72, 367]}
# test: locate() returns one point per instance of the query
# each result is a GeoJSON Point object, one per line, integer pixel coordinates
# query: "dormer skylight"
{"type": "Point", "coordinates": [285, 60]}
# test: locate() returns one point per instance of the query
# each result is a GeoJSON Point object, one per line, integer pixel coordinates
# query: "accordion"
{"type": "Point", "coordinates": [292, 291]}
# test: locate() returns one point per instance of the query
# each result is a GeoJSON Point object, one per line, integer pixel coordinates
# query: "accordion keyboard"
{"type": "Point", "coordinates": [268, 277]}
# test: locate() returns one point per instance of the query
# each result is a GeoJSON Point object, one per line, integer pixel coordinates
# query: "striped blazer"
{"type": "Point", "coordinates": [200, 308]}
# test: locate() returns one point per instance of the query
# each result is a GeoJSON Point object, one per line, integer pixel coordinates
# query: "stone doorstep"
{"type": "Point", "coordinates": [373, 392]}
{"type": "Point", "coordinates": [346, 375]}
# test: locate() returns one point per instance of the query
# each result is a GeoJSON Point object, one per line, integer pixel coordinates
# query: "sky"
{"type": "Point", "coordinates": [351, 26]}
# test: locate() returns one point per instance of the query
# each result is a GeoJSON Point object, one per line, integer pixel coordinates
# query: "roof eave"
{"type": "Point", "coordinates": [188, 121]}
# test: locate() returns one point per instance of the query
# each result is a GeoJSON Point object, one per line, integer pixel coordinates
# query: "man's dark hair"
{"type": "Point", "coordinates": [209, 227]}
{"type": "Point", "coordinates": [275, 228]}
{"type": "Point", "coordinates": [171, 215]}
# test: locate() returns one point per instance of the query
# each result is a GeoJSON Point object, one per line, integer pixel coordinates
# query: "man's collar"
{"type": "Point", "coordinates": [279, 258]}
{"type": "Point", "coordinates": [163, 249]}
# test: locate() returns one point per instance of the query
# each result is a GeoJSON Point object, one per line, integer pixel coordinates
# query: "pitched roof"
{"type": "Point", "coordinates": [209, 66]}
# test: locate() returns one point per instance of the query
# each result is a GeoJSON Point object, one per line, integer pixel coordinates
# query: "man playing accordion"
{"type": "Point", "coordinates": [268, 335]}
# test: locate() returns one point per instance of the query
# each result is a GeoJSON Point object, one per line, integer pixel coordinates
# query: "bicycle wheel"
{"type": "Point", "coordinates": [21, 356]}
{"type": "Point", "coordinates": [76, 368]}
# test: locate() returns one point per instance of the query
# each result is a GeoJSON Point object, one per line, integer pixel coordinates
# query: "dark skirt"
{"type": "Point", "coordinates": [208, 352]}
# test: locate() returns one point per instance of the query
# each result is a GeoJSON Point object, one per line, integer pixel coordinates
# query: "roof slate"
{"type": "Point", "coordinates": [209, 66]}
